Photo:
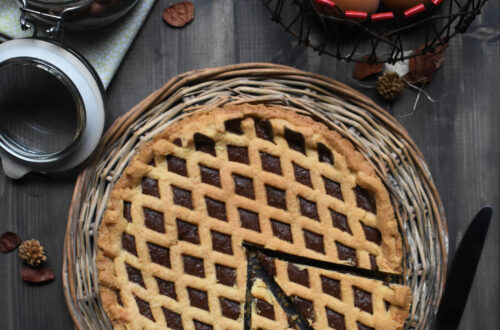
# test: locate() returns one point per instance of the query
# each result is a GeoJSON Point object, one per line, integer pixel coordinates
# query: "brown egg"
{"type": "Point", "coordinates": [369, 6]}
{"type": "Point", "coordinates": [402, 5]}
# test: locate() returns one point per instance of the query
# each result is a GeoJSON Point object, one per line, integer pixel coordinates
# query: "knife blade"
{"type": "Point", "coordinates": [462, 271]}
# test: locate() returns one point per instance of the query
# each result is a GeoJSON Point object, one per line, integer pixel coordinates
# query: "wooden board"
{"type": "Point", "coordinates": [459, 136]}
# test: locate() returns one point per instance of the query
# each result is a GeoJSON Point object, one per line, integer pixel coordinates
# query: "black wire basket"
{"type": "Point", "coordinates": [375, 38]}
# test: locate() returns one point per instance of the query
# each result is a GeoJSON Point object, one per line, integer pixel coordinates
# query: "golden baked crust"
{"type": "Point", "coordinates": [240, 173]}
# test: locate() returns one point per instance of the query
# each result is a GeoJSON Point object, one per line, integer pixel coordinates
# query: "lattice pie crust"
{"type": "Point", "coordinates": [170, 245]}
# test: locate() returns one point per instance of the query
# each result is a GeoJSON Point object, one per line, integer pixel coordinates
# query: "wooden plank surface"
{"type": "Point", "coordinates": [459, 136]}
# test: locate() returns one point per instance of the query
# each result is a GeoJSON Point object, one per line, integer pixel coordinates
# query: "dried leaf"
{"type": "Point", "coordinates": [37, 275]}
{"type": "Point", "coordinates": [423, 67]}
{"type": "Point", "coordinates": [179, 14]}
{"type": "Point", "coordinates": [9, 241]}
{"type": "Point", "coordinates": [364, 70]}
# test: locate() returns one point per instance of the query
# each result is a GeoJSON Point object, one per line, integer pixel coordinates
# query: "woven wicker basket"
{"type": "Point", "coordinates": [372, 130]}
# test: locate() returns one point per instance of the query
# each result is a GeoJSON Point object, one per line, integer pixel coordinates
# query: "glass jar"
{"type": "Point", "coordinates": [52, 108]}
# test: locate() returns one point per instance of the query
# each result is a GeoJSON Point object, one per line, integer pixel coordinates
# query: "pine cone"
{"type": "Point", "coordinates": [390, 85]}
{"type": "Point", "coordinates": [32, 252]}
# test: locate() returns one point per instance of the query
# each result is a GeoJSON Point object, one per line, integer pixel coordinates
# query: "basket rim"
{"type": "Point", "coordinates": [119, 126]}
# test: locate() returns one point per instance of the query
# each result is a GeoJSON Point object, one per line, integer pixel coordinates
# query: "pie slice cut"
{"type": "Point", "coordinates": [170, 248]}
{"type": "Point", "coordinates": [267, 306]}
{"type": "Point", "coordinates": [330, 299]}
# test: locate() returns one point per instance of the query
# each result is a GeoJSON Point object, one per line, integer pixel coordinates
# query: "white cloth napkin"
{"type": "Point", "coordinates": [103, 48]}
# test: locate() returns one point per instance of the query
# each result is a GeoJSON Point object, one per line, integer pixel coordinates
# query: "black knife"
{"type": "Point", "coordinates": [462, 271]}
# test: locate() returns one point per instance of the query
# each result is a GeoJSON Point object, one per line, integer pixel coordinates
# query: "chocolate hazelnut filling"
{"type": "Point", "coordinates": [234, 126]}
{"type": "Point", "coordinates": [302, 175]}
{"type": "Point", "coordinates": [314, 241]}
{"type": "Point", "coordinates": [225, 275]}
{"type": "Point", "coordinates": [372, 234]}
{"type": "Point", "coordinates": [134, 275]}
{"type": "Point", "coordinates": [210, 176]}
{"type": "Point", "coordinates": [159, 255]}
{"type": "Point", "coordinates": [128, 244]}
{"type": "Point", "coordinates": [174, 320]}
{"type": "Point", "coordinates": [243, 186]}
{"type": "Point", "coordinates": [297, 275]}
{"type": "Point", "coordinates": [119, 298]}
{"type": "Point", "coordinates": [177, 142]}
{"type": "Point", "coordinates": [331, 287]}
{"type": "Point", "coordinates": [270, 163]}
{"type": "Point", "coordinates": [177, 165]}
{"type": "Point", "coordinates": [201, 326]}
{"type": "Point", "coordinates": [282, 230]}
{"type": "Point", "coordinates": [324, 154]}
{"type": "Point", "coordinates": [230, 308]}
{"type": "Point", "coordinates": [216, 209]}
{"type": "Point", "coordinates": [365, 200]}
{"type": "Point", "coordinates": [222, 243]}
{"type": "Point", "coordinates": [150, 187]}
{"type": "Point", "coordinates": [144, 308]}
{"type": "Point", "coordinates": [335, 320]}
{"type": "Point", "coordinates": [308, 208]}
{"type": "Point", "coordinates": [340, 221]}
{"type": "Point", "coordinates": [204, 144]}
{"type": "Point", "coordinates": [305, 307]}
{"type": "Point", "coordinates": [238, 154]}
{"type": "Point", "coordinates": [332, 188]}
{"type": "Point", "coordinates": [198, 298]}
{"type": "Point", "coordinates": [264, 309]}
{"type": "Point", "coordinates": [346, 253]}
{"type": "Point", "coordinates": [363, 300]}
{"type": "Point", "coordinates": [153, 219]}
{"type": "Point", "coordinates": [127, 206]}
{"type": "Point", "coordinates": [193, 266]}
{"type": "Point", "coordinates": [267, 262]}
{"type": "Point", "coordinates": [373, 262]}
{"type": "Point", "coordinates": [264, 129]}
{"type": "Point", "coordinates": [166, 288]}
{"type": "Point", "coordinates": [276, 197]}
{"type": "Point", "coordinates": [295, 141]}
{"type": "Point", "coordinates": [182, 197]}
{"type": "Point", "coordinates": [187, 232]}
{"type": "Point", "coordinates": [249, 219]}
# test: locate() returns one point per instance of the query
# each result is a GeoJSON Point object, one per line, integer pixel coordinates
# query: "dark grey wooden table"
{"type": "Point", "coordinates": [459, 136]}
